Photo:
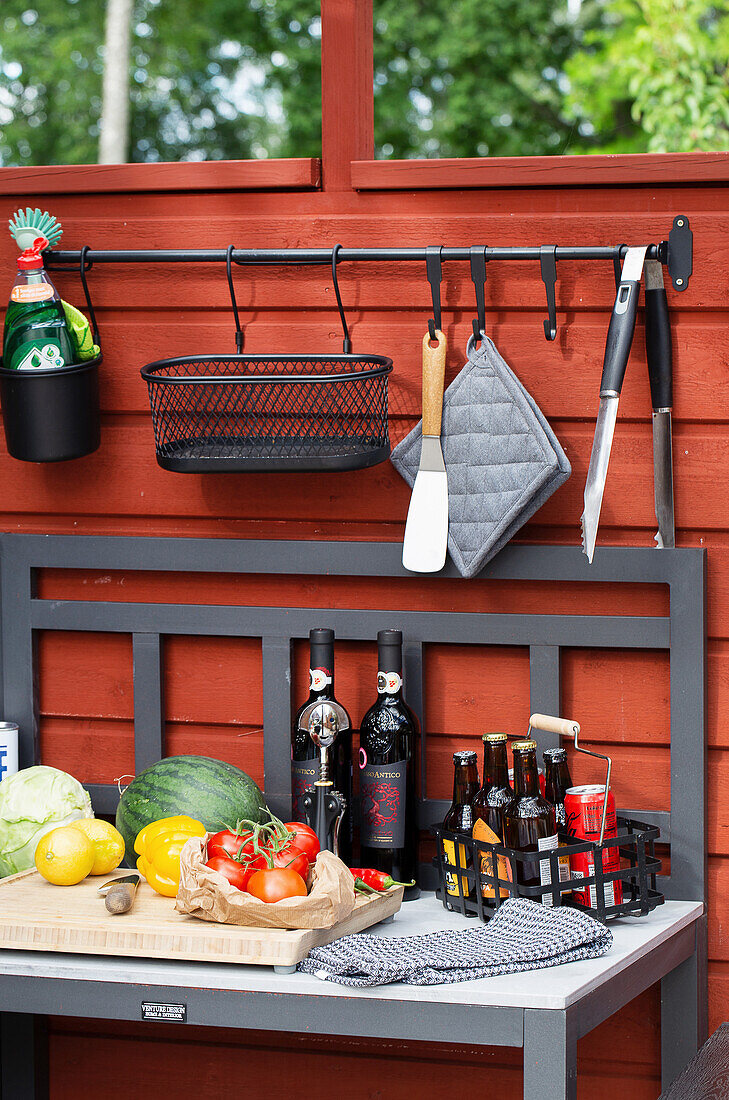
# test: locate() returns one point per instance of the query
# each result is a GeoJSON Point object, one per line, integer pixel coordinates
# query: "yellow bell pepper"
{"type": "Point", "coordinates": [159, 845]}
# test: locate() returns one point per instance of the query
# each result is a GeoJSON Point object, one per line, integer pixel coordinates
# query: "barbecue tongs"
{"type": "Point", "coordinates": [617, 350]}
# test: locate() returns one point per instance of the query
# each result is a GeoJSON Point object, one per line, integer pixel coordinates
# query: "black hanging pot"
{"type": "Point", "coordinates": [53, 415]}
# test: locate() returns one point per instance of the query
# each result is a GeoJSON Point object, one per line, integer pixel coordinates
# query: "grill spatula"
{"type": "Point", "coordinates": [426, 530]}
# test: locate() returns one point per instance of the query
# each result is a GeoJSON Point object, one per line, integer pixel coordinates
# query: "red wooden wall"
{"type": "Point", "coordinates": [213, 697]}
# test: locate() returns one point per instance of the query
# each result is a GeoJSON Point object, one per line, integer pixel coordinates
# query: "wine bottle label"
{"type": "Point", "coordinates": [388, 683]}
{"type": "Point", "coordinates": [544, 844]}
{"type": "Point", "coordinates": [319, 678]}
{"type": "Point", "coordinates": [382, 795]}
{"type": "Point", "coordinates": [304, 773]}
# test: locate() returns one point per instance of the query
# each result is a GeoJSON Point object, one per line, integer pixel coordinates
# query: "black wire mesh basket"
{"type": "Point", "coordinates": [475, 877]}
{"type": "Point", "coordinates": [228, 413]}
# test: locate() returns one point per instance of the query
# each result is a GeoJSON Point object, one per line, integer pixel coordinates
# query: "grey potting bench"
{"type": "Point", "coordinates": [544, 1012]}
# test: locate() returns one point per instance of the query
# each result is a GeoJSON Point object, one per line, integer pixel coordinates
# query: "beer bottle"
{"type": "Point", "coordinates": [558, 781]}
{"type": "Point", "coordinates": [529, 822]}
{"type": "Point", "coordinates": [388, 732]}
{"type": "Point", "coordinates": [496, 792]}
{"type": "Point", "coordinates": [459, 818]}
{"type": "Point", "coordinates": [489, 804]}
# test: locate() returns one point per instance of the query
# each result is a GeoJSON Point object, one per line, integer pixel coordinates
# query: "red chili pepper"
{"type": "Point", "coordinates": [377, 880]}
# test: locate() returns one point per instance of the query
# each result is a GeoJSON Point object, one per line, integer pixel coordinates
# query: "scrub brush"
{"type": "Point", "coordinates": [26, 226]}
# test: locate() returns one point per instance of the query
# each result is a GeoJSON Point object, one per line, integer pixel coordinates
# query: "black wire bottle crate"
{"type": "Point", "coordinates": [482, 875]}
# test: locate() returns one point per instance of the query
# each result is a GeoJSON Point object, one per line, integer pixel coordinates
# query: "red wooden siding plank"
{"type": "Point", "coordinates": [130, 341]}
{"type": "Point", "coordinates": [296, 173]}
{"type": "Point", "coordinates": [569, 171]}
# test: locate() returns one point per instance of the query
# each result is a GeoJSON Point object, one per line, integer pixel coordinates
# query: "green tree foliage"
{"type": "Point", "coordinates": [228, 79]}
{"type": "Point", "coordinates": [471, 78]}
{"type": "Point", "coordinates": [214, 80]}
{"type": "Point", "coordinates": [652, 77]}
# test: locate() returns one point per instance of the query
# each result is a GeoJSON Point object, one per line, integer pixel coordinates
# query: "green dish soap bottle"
{"type": "Point", "coordinates": [36, 334]}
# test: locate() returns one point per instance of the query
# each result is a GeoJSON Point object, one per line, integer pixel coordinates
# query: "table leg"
{"type": "Point", "coordinates": [550, 1055]}
{"type": "Point", "coordinates": [23, 1057]}
{"type": "Point", "coordinates": [684, 1009]}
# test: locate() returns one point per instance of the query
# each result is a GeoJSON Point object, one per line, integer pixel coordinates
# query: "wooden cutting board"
{"type": "Point", "coordinates": [36, 916]}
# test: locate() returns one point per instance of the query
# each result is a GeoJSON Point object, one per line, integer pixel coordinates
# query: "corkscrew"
{"type": "Point", "coordinates": [566, 727]}
{"type": "Point", "coordinates": [324, 720]}
{"type": "Point", "coordinates": [324, 807]}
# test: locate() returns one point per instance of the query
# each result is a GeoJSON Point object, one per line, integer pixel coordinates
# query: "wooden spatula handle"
{"type": "Point", "coordinates": [433, 381]}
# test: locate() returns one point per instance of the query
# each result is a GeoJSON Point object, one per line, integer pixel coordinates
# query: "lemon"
{"type": "Point", "coordinates": [108, 842]}
{"type": "Point", "coordinates": [65, 856]}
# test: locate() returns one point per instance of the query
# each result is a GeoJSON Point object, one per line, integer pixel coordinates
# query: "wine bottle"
{"type": "Point", "coordinates": [305, 755]}
{"type": "Point", "coordinates": [389, 729]}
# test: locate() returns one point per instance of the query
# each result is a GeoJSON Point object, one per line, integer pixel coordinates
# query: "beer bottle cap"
{"type": "Point", "coordinates": [523, 746]}
{"type": "Point", "coordinates": [555, 754]}
{"type": "Point", "coordinates": [494, 737]}
{"type": "Point", "coordinates": [464, 757]}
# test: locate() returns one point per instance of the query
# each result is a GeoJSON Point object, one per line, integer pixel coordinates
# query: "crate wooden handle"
{"type": "Point", "coordinates": [565, 727]}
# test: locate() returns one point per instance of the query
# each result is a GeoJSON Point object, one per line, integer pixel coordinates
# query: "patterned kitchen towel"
{"type": "Point", "coordinates": [502, 458]}
{"type": "Point", "coordinates": [522, 935]}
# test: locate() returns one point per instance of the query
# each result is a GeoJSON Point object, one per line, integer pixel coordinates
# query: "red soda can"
{"type": "Point", "coordinates": [583, 810]}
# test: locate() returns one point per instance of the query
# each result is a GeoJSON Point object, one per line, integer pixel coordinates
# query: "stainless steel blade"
{"type": "Point", "coordinates": [597, 472]}
{"type": "Point", "coordinates": [663, 479]}
{"type": "Point", "coordinates": [132, 879]}
{"type": "Point", "coordinates": [426, 530]}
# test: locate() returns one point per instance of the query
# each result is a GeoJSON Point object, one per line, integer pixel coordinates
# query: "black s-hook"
{"type": "Point", "coordinates": [229, 272]}
{"type": "Point", "coordinates": [434, 269]}
{"type": "Point", "coordinates": [346, 343]}
{"type": "Point", "coordinates": [478, 278]}
{"type": "Point", "coordinates": [548, 265]}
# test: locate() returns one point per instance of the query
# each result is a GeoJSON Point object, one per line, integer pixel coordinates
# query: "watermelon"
{"type": "Point", "coordinates": [216, 793]}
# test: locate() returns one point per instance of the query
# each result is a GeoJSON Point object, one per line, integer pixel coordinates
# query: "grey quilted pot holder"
{"type": "Point", "coordinates": [502, 458]}
{"type": "Point", "coordinates": [522, 935]}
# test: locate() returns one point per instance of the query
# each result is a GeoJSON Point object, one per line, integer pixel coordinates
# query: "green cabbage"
{"type": "Point", "coordinates": [32, 802]}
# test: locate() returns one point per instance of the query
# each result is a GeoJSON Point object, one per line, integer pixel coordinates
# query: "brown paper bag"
{"type": "Point", "coordinates": [207, 894]}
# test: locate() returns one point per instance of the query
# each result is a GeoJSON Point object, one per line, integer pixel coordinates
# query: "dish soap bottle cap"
{"type": "Point", "coordinates": [31, 259]}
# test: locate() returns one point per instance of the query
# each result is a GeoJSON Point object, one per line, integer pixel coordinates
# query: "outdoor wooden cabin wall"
{"type": "Point", "coordinates": [212, 686]}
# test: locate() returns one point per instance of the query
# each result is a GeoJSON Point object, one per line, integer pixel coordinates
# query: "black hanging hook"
{"type": "Point", "coordinates": [434, 269]}
{"type": "Point", "coordinates": [548, 265]}
{"type": "Point", "coordinates": [618, 265]}
{"type": "Point", "coordinates": [85, 266]}
{"type": "Point", "coordinates": [346, 343]}
{"type": "Point", "coordinates": [229, 272]}
{"type": "Point", "coordinates": [478, 278]}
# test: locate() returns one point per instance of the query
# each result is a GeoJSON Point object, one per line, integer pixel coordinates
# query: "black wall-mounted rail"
{"type": "Point", "coordinates": [276, 257]}
{"type": "Point", "coordinates": [676, 253]}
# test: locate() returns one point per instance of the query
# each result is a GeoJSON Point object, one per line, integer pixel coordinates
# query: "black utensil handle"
{"type": "Point", "coordinates": [658, 348]}
{"type": "Point", "coordinates": [619, 338]}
